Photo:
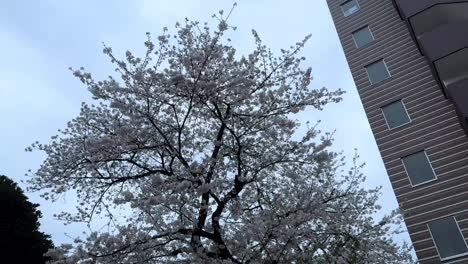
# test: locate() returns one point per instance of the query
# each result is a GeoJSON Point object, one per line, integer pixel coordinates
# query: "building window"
{"type": "Point", "coordinates": [350, 7]}
{"type": "Point", "coordinates": [418, 168]}
{"type": "Point", "coordinates": [377, 72]}
{"type": "Point", "coordinates": [363, 37]}
{"type": "Point", "coordinates": [448, 238]}
{"type": "Point", "coordinates": [395, 114]}
{"type": "Point", "coordinates": [453, 68]}
{"type": "Point", "coordinates": [437, 16]}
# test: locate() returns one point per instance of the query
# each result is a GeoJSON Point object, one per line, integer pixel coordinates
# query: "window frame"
{"type": "Point", "coordinates": [435, 245]}
{"type": "Point", "coordinates": [359, 29]}
{"type": "Point", "coordinates": [375, 62]}
{"type": "Point", "coordinates": [348, 1]}
{"type": "Point", "coordinates": [430, 164]}
{"type": "Point", "coordinates": [406, 111]}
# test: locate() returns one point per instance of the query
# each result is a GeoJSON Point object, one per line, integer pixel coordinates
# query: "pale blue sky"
{"type": "Point", "coordinates": [39, 40]}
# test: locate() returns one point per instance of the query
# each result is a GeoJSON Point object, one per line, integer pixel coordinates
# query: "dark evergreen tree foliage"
{"type": "Point", "coordinates": [20, 238]}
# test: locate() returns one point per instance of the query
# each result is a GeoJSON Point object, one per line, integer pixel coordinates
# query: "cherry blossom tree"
{"type": "Point", "coordinates": [201, 147]}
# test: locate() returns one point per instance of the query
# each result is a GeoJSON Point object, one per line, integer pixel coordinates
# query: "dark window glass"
{"type": "Point", "coordinates": [363, 36]}
{"type": "Point", "coordinates": [395, 114]}
{"type": "Point", "coordinates": [418, 167]}
{"type": "Point", "coordinates": [377, 72]}
{"type": "Point", "coordinates": [448, 238]}
{"type": "Point", "coordinates": [453, 68]}
{"type": "Point", "coordinates": [437, 16]}
{"type": "Point", "coordinates": [350, 7]}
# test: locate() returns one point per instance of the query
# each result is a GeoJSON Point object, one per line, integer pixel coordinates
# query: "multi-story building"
{"type": "Point", "coordinates": [409, 59]}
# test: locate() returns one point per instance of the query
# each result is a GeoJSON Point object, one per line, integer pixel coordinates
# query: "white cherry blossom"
{"type": "Point", "coordinates": [198, 144]}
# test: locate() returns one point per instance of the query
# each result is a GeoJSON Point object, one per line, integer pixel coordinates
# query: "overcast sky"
{"type": "Point", "coordinates": [39, 40]}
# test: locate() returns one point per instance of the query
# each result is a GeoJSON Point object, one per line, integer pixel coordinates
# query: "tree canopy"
{"type": "Point", "coordinates": [20, 238]}
{"type": "Point", "coordinates": [201, 145]}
